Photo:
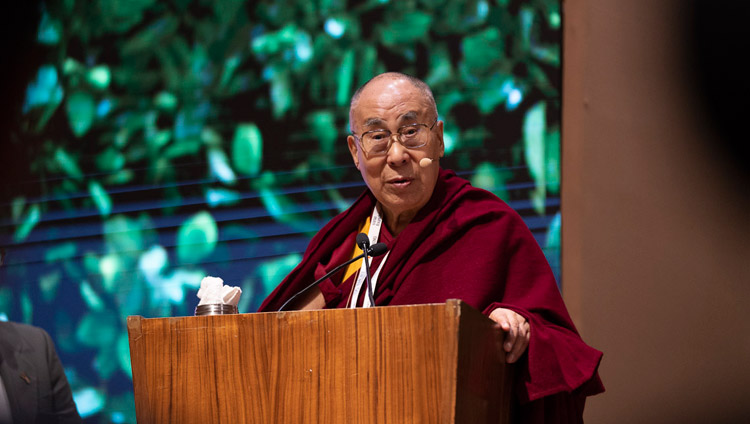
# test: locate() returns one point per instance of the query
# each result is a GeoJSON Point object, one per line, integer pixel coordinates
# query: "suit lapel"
{"type": "Point", "coordinates": [18, 375]}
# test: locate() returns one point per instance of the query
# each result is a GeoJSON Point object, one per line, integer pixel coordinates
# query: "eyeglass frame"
{"type": "Point", "coordinates": [390, 137]}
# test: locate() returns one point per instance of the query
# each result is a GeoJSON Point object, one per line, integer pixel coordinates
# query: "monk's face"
{"type": "Point", "coordinates": [396, 179]}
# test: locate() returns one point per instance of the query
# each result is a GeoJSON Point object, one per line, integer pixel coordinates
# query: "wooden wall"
{"type": "Point", "coordinates": [656, 223]}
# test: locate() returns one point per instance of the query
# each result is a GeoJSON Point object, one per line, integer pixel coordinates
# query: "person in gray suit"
{"type": "Point", "coordinates": [33, 386]}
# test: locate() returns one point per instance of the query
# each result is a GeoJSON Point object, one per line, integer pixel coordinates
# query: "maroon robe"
{"type": "Point", "coordinates": [467, 244]}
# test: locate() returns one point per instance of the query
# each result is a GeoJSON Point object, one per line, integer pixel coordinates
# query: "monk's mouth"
{"type": "Point", "coordinates": [400, 182]}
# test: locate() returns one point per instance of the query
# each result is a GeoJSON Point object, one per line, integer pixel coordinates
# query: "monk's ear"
{"type": "Point", "coordinates": [439, 131]}
{"type": "Point", "coordinates": [353, 150]}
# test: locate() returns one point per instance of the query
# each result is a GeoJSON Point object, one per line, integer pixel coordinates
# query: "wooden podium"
{"type": "Point", "coordinates": [438, 363]}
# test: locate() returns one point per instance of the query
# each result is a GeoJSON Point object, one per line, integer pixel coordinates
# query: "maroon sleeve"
{"type": "Point", "coordinates": [557, 359]}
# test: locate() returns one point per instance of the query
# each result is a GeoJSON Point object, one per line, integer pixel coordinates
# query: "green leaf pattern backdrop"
{"type": "Point", "coordinates": [163, 141]}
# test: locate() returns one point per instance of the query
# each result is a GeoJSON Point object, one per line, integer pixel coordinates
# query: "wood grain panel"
{"type": "Point", "coordinates": [374, 365]}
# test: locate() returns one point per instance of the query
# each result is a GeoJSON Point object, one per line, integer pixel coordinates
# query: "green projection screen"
{"type": "Point", "coordinates": [148, 144]}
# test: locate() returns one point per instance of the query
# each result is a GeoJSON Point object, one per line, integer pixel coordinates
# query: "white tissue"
{"type": "Point", "coordinates": [231, 295]}
{"type": "Point", "coordinates": [213, 292]}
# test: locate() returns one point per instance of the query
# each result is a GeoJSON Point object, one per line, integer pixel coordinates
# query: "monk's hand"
{"type": "Point", "coordinates": [517, 332]}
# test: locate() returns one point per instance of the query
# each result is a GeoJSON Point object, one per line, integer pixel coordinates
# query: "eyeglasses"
{"type": "Point", "coordinates": [378, 142]}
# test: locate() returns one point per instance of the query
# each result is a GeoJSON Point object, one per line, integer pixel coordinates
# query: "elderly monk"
{"type": "Point", "coordinates": [446, 240]}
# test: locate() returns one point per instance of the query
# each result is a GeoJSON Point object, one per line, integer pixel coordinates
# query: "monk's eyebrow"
{"type": "Point", "coordinates": [408, 116]}
{"type": "Point", "coordinates": [371, 122]}
{"type": "Point", "coordinates": [379, 122]}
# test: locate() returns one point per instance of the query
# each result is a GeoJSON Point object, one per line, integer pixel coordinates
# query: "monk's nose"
{"type": "Point", "coordinates": [397, 154]}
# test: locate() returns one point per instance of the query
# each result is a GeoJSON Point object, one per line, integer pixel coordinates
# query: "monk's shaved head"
{"type": "Point", "coordinates": [420, 85]}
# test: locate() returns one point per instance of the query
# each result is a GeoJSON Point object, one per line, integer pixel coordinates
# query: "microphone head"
{"type": "Point", "coordinates": [425, 162]}
{"type": "Point", "coordinates": [363, 241]}
{"type": "Point", "coordinates": [378, 249]}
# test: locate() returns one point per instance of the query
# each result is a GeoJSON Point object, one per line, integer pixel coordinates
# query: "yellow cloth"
{"type": "Point", "coordinates": [356, 265]}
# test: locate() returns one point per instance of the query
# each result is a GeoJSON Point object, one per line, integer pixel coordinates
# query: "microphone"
{"type": "Point", "coordinates": [376, 249]}
{"type": "Point", "coordinates": [364, 243]}
{"type": "Point", "coordinates": [425, 162]}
